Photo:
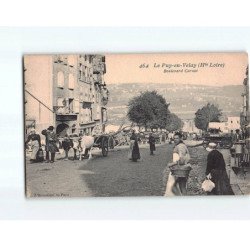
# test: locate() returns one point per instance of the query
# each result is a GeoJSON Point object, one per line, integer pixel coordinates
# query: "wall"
{"type": "Point", "coordinates": [38, 79]}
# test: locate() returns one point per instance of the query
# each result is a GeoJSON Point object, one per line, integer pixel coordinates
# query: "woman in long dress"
{"type": "Point", "coordinates": [216, 171]}
{"type": "Point", "coordinates": [35, 144]}
{"type": "Point", "coordinates": [134, 151]}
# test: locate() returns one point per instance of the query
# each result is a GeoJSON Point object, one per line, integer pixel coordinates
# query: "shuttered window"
{"type": "Point", "coordinates": [71, 81]}
{"type": "Point", "coordinates": [60, 79]}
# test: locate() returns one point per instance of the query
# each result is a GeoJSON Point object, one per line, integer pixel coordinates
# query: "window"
{"type": "Point", "coordinates": [71, 61]}
{"type": "Point", "coordinates": [97, 97]}
{"type": "Point", "coordinates": [71, 105]}
{"type": "Point", "coordinates": [60, 102]}
{"type": "Point", "coordinates": [71, 81]}
{"type": "Point", "coordinates": [76, 106]}
{"type": "Point", "coordinates": [60, 79]}
{"type": "Point", "coordinates": [81, 118]}
{"type": "Point", "coordinates": [86, 72]}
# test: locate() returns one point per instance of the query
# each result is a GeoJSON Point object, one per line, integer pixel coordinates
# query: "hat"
{"type": "Point", "coordinates": [50, 128]}
{"type": "Point", "coordinates": [211, 146]}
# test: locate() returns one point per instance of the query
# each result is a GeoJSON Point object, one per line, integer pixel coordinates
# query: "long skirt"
{"type": "Point", "coordinates": [170, 185]}
{"type": "Point", "coordinates": [136, 152]}
{"type": "Point", "coordinates": [176, 186]}
{"type": "Point", "coordinates": [152, 146]}
{"type": "Point", "coordinates": [131, 145]}
{"type": "Point", "coordinates": [35, 148]}
{"type": "Point", "coordinates": [222, 183]}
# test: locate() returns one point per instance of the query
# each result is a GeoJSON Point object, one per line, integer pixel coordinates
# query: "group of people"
{"type": "Point", "coordinates": [52, 145]}
{"type": "Point", "coordinates": [215, 169]}
{"type": "Point", "coordinates": [134, 151]}
{"type": "Point", "coordinates": [176, 185]}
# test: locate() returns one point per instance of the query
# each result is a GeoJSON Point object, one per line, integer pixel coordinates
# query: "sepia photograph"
{"type": "Point", "coordinates": [126, 125]}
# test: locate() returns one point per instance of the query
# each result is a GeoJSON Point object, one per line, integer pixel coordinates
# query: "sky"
{"type": "Point", "coordinates": [180, 68]}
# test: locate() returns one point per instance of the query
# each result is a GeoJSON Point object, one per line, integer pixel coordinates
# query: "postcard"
{"type": "Point", "coordinates": [112, 125]}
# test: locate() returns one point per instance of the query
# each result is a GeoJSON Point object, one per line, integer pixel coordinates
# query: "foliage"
{"type": "Point", "coordinates": [149, 110]}
{"type": "Point", "coordinates": [208, 113]}
{"type": "Point", "coordinates": [174, 123]}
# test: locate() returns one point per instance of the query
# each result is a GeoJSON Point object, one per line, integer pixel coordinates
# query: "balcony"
{"type": "Point", "coordinates": [86, 104]}
{"type": "Point", "coordinates": [97, 78]}
{"type": "Point", "coordinates": [98, 68]}
{"type": "Point", "coordinates": [66, 117]}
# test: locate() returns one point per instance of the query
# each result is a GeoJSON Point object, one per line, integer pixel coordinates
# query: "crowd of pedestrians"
{"type": "Point", "coordinates": [179, 165]}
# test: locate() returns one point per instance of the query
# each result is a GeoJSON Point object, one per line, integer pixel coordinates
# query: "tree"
{"type": "Point", "coordinates": [174, 123]}
{"type": "Point", "coordinates": [149, 110]}
{"type": "Point", "coordinates": [208, 113]}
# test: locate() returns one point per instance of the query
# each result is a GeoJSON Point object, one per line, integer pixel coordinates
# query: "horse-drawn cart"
{"type": "Point", "coordinates": [104, 142]}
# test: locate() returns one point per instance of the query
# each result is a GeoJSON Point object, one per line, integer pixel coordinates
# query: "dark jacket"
{"type": "Point", "coordinates": [217, 168]}
{"type": "Point", "coordinates": [51, 139]}
{"type": "Point", "coordinates": [151, 141]}
{"type": "Point", "coordinates": [216, 161]}
{"type": "Point", "coordinates": [135, 151]}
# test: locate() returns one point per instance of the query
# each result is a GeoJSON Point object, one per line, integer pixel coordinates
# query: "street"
{"type": "Point", "coordinates": [111, 176]}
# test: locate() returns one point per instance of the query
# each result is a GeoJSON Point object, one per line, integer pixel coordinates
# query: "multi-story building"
{"type": "Point", "coordinates": [230, 125]}
{"type": "Point", "coordinates": [66, 91]}
{"type": "Point", "coordinates": [245, 114]}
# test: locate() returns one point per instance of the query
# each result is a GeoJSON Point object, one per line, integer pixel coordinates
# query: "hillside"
{"type": "Point", "coordinates": [184, 99]}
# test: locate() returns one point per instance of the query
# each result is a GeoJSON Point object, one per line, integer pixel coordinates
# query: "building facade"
{"type": "Point", "coordinates": [230, 125]}
{"type": "Point", "coordinates": [71, 88]}
{"type": "Point", "coordinates": [245, 114]}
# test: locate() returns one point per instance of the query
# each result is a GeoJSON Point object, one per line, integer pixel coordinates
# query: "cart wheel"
{"type": "Point", "coordinates": [111, 142]}
{"type": "Point", "coordinates": [104, 146]}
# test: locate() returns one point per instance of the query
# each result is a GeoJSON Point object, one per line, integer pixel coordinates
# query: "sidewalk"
{"type": "Point", "coordinates": [240, 184]}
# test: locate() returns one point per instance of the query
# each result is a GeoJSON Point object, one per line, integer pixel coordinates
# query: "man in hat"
{"type": "Point", "coordinates": [216, 171]}
{"type": "Point", "coordinates": [151, 141]}
{"type": "Point", "coordinates": [51, 146]}
{"type": "Point", "coordinates": [237, 136]}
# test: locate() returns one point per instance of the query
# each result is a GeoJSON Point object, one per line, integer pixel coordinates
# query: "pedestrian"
{"type": "Point", "coordinates": [35, 145]}
{"type": "Point", "coordinates": [216, 171]}
{"type": "Point", "coordinates": [163, 137]}
{"type": "Point", "coordinates": [51, 147]}
{"type": "Point", "coordinates": [237, 136]}
{"type": "Point", "coordinates": [75, 140]}
{"type": "Point", "coordinates": [170, 137]}
{"type": "Point", "coordinates": [178, 185]}
{"type": "Point", "coordinates": [134, 151]}
{"type": "Point", "coordinates": [151, 141]}
{"type": "Point", "coordinates": [66, 145]}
